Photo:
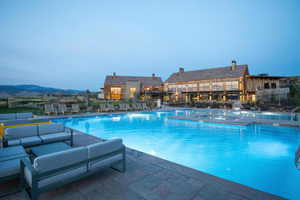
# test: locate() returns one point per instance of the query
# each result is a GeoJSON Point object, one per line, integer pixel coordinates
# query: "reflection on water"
{"type": "Point", "coordinates": [259, 156]}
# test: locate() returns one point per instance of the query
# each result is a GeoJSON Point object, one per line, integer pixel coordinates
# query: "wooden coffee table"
{"type": "Point", "coordinates": [49, 148]}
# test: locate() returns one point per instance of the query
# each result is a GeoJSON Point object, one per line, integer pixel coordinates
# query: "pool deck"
{"type": "Point", "coordinates": [147, 178]}
{"type": "Point", "coordinates": [241, 122]}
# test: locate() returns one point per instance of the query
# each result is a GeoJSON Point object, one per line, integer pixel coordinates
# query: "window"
{"type": "Point", "coordinates": [204, 87]}
{"type": "Point", "coordinates": [231, 85]}
{"type": "Point", "coordinates": [192, 87]}
{"type": "Point", "coordinates": [115, 93]}
{"type": "Point", "coordinates": [217, 86]}
{"type": "Point", "coordinates": [266, 86]}
{"type": "Point", "coordinates": [273, 85]}
{"type": "Point", "coordinates": [132, 92]}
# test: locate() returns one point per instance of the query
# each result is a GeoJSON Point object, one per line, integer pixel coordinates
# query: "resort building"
{"type": "Point", "coordinates": [216, 84]}
{"type": "Point", "coordinates": [266, 88]}
{"type": "Point", "coordinates": [132, 87]}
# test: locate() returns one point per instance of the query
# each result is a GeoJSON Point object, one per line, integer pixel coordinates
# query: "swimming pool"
{"type": "Point", "coordinates": [259, 156]}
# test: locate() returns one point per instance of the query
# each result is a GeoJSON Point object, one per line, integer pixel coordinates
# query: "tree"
{"type": "Point", "coordinates": [294, 96]}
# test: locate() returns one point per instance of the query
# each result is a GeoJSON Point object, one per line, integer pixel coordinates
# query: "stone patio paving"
{"type": "Point", "coordinates": [147, 178]}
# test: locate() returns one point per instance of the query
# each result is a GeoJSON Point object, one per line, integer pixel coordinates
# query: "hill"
{"type": "Point", "coordinates": [32, 90]}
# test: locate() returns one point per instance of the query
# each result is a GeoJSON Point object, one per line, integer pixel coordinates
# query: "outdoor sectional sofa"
{"type": "Point", "coordinates": [10, 165]}
{"type": "Point", "coordinates": [56, 169]}
{"type": "Point", "coordinates": [29, 136]}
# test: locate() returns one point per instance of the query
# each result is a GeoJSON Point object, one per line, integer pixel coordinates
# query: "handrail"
{"type": "Point", "coordinates": [297, 158]}
{"type": "Point", "coordinates": [293, 113]}
{"type": "Point", "coordinates": [295, 109]}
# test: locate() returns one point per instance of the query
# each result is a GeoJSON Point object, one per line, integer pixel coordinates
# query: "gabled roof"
{"type": "Point", "coordinates": [146, 81]}
{"type": "Point", "coordinates": [207, 74]}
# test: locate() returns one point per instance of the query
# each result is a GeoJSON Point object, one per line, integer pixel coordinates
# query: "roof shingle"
{"type": "Point", "coordinates": [207, 74]}
{"type": "Point", "coordinates": [146, 81]}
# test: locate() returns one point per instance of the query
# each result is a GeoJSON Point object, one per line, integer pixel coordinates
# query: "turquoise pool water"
{"type": "Point", "coordinates": [259, 156]}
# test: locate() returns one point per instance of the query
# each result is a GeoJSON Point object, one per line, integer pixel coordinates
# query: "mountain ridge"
{"type": "Point", "coordinates": [32, 90]}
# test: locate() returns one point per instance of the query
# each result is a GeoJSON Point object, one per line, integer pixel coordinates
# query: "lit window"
{"type": "Point", "coordinates": [132, 92]}
{"type": "Point", "coordinates": [115, 93]}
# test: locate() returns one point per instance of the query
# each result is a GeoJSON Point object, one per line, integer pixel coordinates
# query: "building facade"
{"type": "Point", "coordinates": [266, 88]}
{"type": "Point", "coordinates": [216, 84]}
{"type": "Point", "coordinates": [132, 87]}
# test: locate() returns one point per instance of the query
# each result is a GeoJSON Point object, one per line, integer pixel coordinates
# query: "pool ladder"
{"type": "Point", "coordinates": [297, 158]}
{"type": "Point", "coordinates": [294, 116]}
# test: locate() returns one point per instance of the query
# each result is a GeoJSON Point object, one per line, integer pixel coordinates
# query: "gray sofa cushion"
{"type": "Point", "coordinates": [96, 164]}
{"type": "Point", "coordinates": [30, 141]}
{"type": "Point", "coordinates": [10, 116]}
{"type": "Point", "coordinates": [10, 153]}
{"type": "Point", "coordinates": [24, 115]}
{"type": "Point", "coordinates": [45, 129]}
{"type": "Point", "coordinates": [20, 132]}
{"type": "Point", "coordinates": [55, 137]}
{"type": "Point", "coordinates": [14, 142]}
{"type": "Point", "coordinates": [10, 167]}
{"type": "Point", "coordinates": [65, 175]}
{"type": "Point", "coordinates": [60, 159]}
{"type": "Point", "coordinates": [102, 148]}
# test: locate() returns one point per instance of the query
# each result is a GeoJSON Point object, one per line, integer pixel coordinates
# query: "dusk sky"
{"type": "Point", "coordinates": [75, 44]}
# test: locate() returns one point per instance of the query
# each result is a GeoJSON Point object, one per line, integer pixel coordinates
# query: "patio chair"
{"type": "Point", "coordinates": [127, 107]}
{"type": "Point", "coordinates": [102, 108]}
{"type": "Point", "coordinates": [145, 107]}
{"type": "Point", "coordinates": [75, 108]}
{"type": "Point", "coordinates": [139, 106]}
{"type": "Point", "coordinates": [110, 107]}
{"type": "Point", "coordinates": [47, 109]}
{"type": "Point", "coordinates": [62, 108]}
{"type": "Point", "coordinates": [122, 107]}
{"type": "Point", "coordinates": [134, 106]}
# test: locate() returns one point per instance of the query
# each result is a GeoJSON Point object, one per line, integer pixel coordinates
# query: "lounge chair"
{"type": "Point", "coordinates": [145, 107]}
{"type": "Point", "coordinates": [139, 106]}
{"type": "Point", "coordinates": [110, 107]}
{"type": "Point", "coordinates": [102, 108]}
{"type": "Point", "coordinates": [54, 170]}
{"type": "Point", "coordinates": [122, 107]}
{"type": "Point", "coordinates": [134, 106]}
{"type": "Point", "coordinates": [127, 107]}
{"type": "Point", "coordinates": [47, 109]}
{"type": "Point", "coordinates": [62, 108]}
{"type": "Point", "coordinates": [75, 108]}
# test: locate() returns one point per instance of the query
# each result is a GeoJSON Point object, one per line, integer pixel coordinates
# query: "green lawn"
{"type": "Point", "coordinates": [35, 111]}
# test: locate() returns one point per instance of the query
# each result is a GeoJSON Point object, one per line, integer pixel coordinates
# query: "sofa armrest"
{"type": "Point", "coordinates": [4, 142]}
{"type": "Point", "coordinates": [70, 130]}
{"type": "Point", "coordinates": [25, 164]}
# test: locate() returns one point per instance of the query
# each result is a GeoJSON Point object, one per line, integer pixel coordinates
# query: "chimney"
{"type": "Point", "coordinates": [233, 65]}
{"type": "Point", "coordinates": [153, 76]}
{"type": "Point", "coordinates": [114, 74]}
{"type": "Point", "coordinates": [181, 70]}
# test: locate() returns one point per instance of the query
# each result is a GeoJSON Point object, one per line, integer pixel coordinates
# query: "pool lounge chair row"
{"type": "Point", "coordinates": [60, 109]}
{"type": "Point", "coordinates": [28, 136]}
{"type": "Point", "coordinates": [123, 107]}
